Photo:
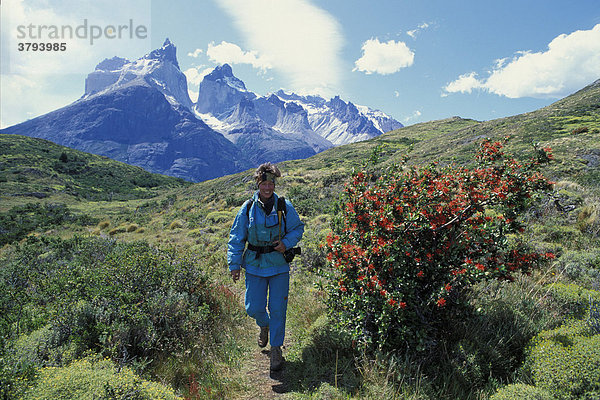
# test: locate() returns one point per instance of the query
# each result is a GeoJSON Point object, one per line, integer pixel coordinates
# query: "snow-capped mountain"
{"type": "Point", "coordinates": [341, 122]}
{"type": "Point", "coordinates": [139, 112]}
{"type": "Point", "coordinates": [281, 126]}
{"type": "Point", "coordinates": [265, 128]}
{"type": "Point", "coordinates": [158, 69]}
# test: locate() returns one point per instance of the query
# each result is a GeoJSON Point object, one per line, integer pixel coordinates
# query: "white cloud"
{"type": "Point", "coordinates": [384, 58]}
{"type": "Point", "coordinates": [396, 93]}
{"type": "Point", "coordinates": [571, 62]}
{"type": "Point", "coordinates": [413, 33]}
{"type": "Point", "coordinates": [25, 98]}
{"type": "Point", "coordinates": [300, 40]}
{"type": "Point", "coordinates": [464, 84]}
{"type": "Point", "coordinates": [36, 82]}
{"type": "Point", "coordinates": [416, 114]}
{"type": "Point", "coordinates": [231, 53]}
{"type": "Point", "coordinates": [195, 54]}
{"type": "Point", "coordinates": [194, 77]}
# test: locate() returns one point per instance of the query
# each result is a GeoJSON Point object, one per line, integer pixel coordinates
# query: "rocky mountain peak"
{"type": "Point", "coordinates": [168, 52]}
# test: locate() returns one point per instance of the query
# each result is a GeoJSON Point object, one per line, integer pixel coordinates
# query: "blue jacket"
{"type": "Point", "coordinates": [262, 230]}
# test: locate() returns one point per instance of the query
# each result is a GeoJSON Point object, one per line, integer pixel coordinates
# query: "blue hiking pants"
{"type": "Point", "coordinates": [277, 287]}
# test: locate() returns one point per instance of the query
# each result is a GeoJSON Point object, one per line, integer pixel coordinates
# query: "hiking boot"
{"type": "Point", "coordinates": [263, 337]}
{"type": "Point", "coordinates": [276, 358]}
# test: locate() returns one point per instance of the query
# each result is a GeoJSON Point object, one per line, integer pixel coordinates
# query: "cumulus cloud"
{"type": "Point", "coordinates": [384, 58]}
{"type": "Point", "coordinates": [464, 84]}
{"type": "Point", "coordinates": [231, 53]}
{"type": "Point", "coordinates": [194, 77]}
{"type": "Point", "coordinates": [300, 40]}
{"type": "Point", "coordinates": [36, 82]}
{"type": "Point", "coordinates": [195, 54]}
{"type": "Point", "coordinates": [570, 62]}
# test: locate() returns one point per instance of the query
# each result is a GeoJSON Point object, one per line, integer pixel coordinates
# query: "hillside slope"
{"type": "Point", "coordinates": [32, 168]}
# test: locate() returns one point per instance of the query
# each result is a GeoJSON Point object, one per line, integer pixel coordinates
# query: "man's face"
{"type": "Point", "coordinates": [266, 189]}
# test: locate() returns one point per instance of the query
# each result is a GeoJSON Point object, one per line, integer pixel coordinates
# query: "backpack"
{"type": "Point", "coordinates": [281, 206]}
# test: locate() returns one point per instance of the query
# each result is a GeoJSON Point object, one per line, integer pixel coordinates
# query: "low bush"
{"type": "Point", "coordinates": [573, 299]}
{"type": "Point", "coordinates": [19, 221]}
{"type": "Point", "coordinates": [93, 378]}
{"type": "Point", "coordinates": [581, 129]}
{"type": "Point", "coordinates": [486, 345]}
{"type": "Point", "coordinates": [566, 362]}
{"type": "Point", "coordinates": [521, 391]}
{"type": "Point", "coordinates": [132, 228]}
{"type": "Point", "coordinates": [136, 304]}
{"type": "Point", "coordinates": [175, 225]}
{"type": "Point", "coordinates": [219, 216]}
{"type": "Point", "coordinates": [581, 267]}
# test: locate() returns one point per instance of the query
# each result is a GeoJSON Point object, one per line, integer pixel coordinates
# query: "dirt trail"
{"type": "Point", "coordinates": [264, 384]}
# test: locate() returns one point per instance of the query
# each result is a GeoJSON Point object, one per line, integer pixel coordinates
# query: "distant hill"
{"type": "Point", "coordinates": [32, 168]}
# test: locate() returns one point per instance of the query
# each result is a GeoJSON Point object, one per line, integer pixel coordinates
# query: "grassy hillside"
{"type": "Point", "coordinates": [189, 224]}
{"type": "Point", "coordinates": [33, 168]}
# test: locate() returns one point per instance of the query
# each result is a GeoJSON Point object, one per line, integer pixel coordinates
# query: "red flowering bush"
{"type": "Point", "coordinates": [406, 245]}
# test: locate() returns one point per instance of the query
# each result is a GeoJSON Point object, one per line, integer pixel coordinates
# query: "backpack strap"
{"type": "Point", "coordinates": [248, 207]}
{"type": "Point", "coordinates": [281, 205]}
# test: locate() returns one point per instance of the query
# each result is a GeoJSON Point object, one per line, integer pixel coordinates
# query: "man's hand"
{"type": "Point", "coordinates": [279, 246]}
{"type": "Point", "coordinates": [235, 275]}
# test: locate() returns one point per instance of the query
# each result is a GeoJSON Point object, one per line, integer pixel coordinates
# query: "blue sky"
{"type": "Point", "coordinates": [415, 60]}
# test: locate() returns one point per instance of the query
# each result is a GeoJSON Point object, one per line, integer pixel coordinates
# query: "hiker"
{"type": "Point", "coordinates": [271, 227]}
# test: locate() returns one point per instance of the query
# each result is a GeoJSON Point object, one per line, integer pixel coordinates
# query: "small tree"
{"type": "Point", "coordinates": [406, 246]}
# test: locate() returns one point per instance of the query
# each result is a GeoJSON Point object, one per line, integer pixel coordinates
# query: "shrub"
{"type": "Point", "coordinates": [132, 228]}
{"type": "Point", "coordinates": [114, 231]}
{"type": "Point", "coordinates": [306, 199]}
{"type": "Point", "coordinates": [219, 216]}
{"type": "Point", "coordinates": [581, 129]}
{"type": "Point", "coordinates": [103, 224]}
{"type": "Point", "coordinates": [581, 266]}
{"type": "Point", "coordinates": [486, 346]}
{"type": "Point", "coordinates": [92, 378]}
{"type": "Point", "coordinates": [19, 221]}
{"type": "Point", "coordinates": [566, 362]}
{"type": "Point", "coordinates": [574, 300]}
{"type": "Point", "coordinates": [520, 391]}
{"type": "Point", "coordinates": [175, 225]}
{"type": "Point", "coordinates": [407, 245]}
{"type": "Point", "coordinates": [126, 300]}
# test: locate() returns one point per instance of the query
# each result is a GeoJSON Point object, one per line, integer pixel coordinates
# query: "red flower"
{"type": "Point", "coordinates": [441, 302]}
{"type": "Point", "coordinates": [392, 302]}
{"type": "Point", "coordinates": [402, 304]}
{"type": "Point", "coordinates": [448, 287]}
{"type": "Point", "coordinates": [420, 274]}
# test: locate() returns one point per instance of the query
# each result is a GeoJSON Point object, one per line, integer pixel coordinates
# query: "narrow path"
{"type": "Point", "coordinates": [264, 383]}
{"type": "Point", "coordinates": [255, 371]}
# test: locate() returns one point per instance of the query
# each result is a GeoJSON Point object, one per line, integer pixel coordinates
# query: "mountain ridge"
{"type": "Point", "coordinates": [122, 115]}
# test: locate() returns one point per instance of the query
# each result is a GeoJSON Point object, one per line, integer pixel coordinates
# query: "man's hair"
{"type": "Point", "coordinates": [264, 169]}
